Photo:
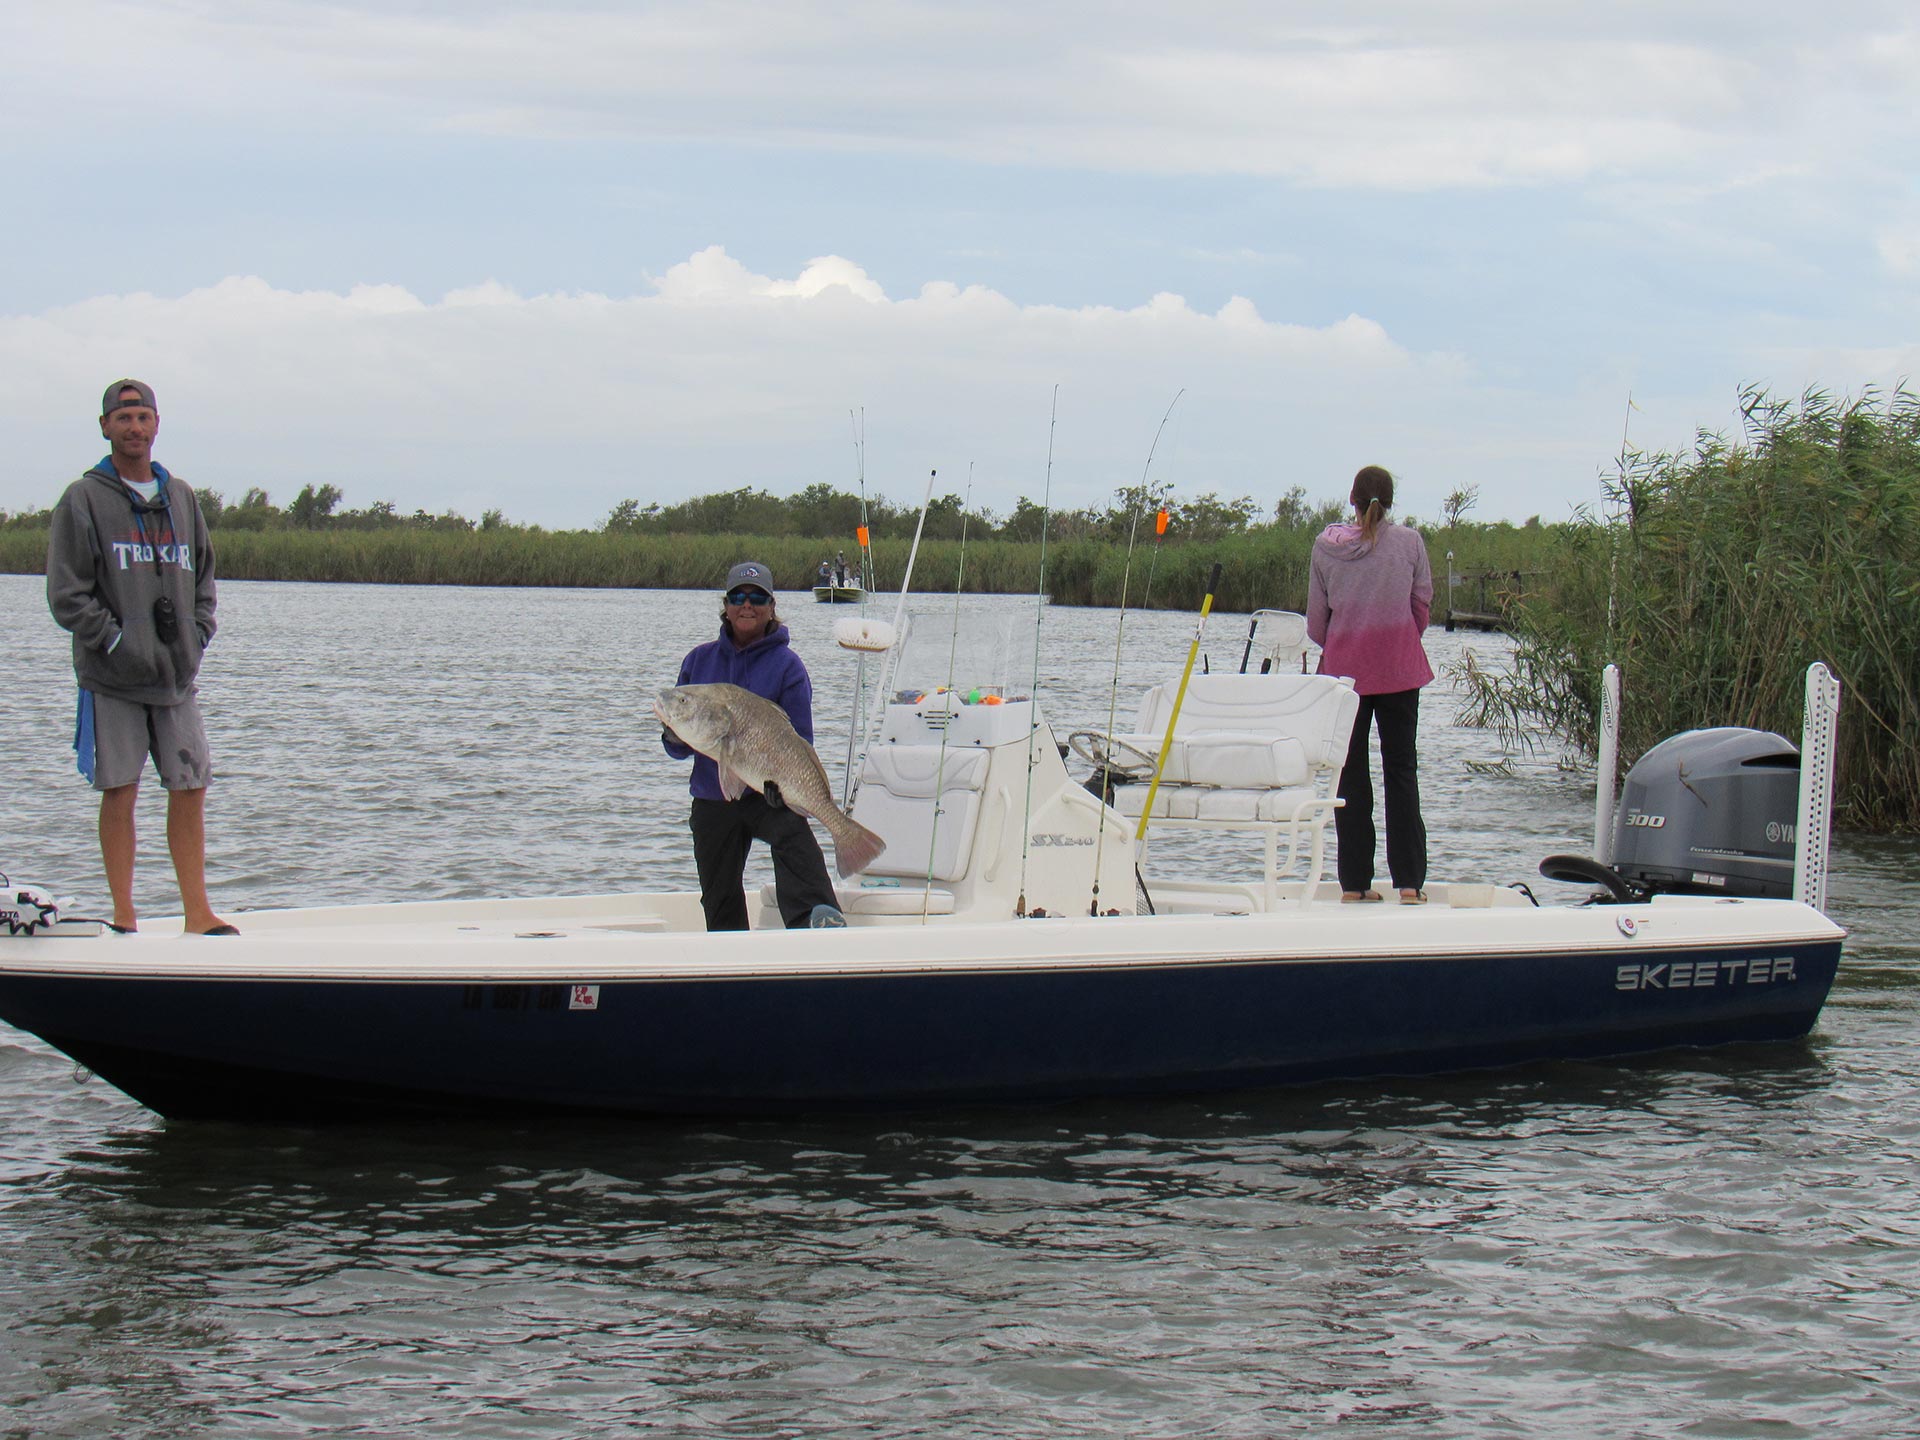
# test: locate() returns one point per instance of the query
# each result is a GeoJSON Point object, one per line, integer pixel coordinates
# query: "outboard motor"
{"type": "Point", "coordinates": [1706, 812]}
{"type": "Point", "coordinates": [1711, 812]}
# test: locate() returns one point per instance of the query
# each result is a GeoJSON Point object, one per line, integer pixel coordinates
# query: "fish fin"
{"type": "Point", "coordinates": [854, 847]}
{"type": "Point", "coordinates": [770, 792]}
{"type": "Point", "coordinates": [731, 785]}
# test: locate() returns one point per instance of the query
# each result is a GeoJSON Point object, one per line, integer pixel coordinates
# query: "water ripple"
{"type": "Point", "coordinates": [1722, 1244]}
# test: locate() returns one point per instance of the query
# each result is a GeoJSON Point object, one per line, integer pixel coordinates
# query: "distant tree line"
{"type": "Point", "coordinates": [1087, 559]}
{"type": "Point", "coordinates": [316, 507]}
{"type": "Point", "coordinates": [824, 513]}
{"type": "Point", "coordinates": [821, 510]}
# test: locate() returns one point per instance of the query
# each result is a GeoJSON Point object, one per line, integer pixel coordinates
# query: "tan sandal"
{"type": "Point", "coordinates": [1361, 897]}
{"type": "Point", "coordinates": [1413, 897]}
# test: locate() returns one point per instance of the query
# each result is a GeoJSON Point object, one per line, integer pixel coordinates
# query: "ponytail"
{"type": "Point", "coordinates": [1371, 520]}
{"type": "Point", "coordinates": [1372, 496]}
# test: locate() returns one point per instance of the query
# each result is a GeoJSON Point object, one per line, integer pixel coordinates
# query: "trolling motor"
{"type": "Point", "coordinates": [1705, 812]}
{"type": "Point", "coordinates": [25, 909]}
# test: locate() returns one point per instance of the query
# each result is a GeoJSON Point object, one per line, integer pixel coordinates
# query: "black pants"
{"type": "Point", "coordinates": [1398, 715]}
{"type": "Point", "coordinates": [723, 832]}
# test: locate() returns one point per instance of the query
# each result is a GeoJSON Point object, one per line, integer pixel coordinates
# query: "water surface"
{"type": "Point", "coordinates": [1718, 1244]}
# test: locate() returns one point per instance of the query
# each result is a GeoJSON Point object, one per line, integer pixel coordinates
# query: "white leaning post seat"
{"type": "Point", "coordinates": [927, 843]}
{"type": "Point", "coordinates": [1250, 752]}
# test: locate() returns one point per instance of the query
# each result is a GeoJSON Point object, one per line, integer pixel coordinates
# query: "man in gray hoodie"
{"type": "Point", "coordinates": [130, 573]}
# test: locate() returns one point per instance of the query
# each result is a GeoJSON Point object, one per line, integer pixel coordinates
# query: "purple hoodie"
{"type": "Point", "coordinates": [1367, 606]}
{"type": "Point", "coordinates": [769, 668]}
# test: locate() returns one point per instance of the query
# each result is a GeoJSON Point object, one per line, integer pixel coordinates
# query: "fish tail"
{"type": "Point", "coordinates": [854, 846]}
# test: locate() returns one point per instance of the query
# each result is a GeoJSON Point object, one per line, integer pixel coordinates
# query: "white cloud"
{"type": "Point", "coordinates": [553, 407]}
{"type": "Point", "coordinates": [1419, 97]}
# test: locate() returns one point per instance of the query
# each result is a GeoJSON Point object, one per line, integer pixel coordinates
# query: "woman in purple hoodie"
{"type": "Point", "coordinates": [1369, 592]}
{"type": "Point", "coordinates": [753, 652]}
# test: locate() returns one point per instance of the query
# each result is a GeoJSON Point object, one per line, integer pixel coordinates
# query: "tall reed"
{"type": "Point", "coordinates": [1716, 577]}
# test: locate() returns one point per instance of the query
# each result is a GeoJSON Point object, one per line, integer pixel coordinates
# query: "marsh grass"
{"type": "Point", "coordinates": [1260, 567]}
{"type": "Point", "coordinates": [1718, 576]}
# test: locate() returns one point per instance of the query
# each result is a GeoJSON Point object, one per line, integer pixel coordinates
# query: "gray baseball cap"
{"type": "Point", "coordinates": [750, 572]}
{"type": "Point", "coordinates": [111, 401]}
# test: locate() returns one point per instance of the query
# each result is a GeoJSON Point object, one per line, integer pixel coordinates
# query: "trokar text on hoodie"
{"type": "Point", "coordinates": [139, 552]}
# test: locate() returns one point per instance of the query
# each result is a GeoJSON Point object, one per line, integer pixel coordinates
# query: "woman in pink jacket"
{"type": "Point", "coordinates": [1369, 592]}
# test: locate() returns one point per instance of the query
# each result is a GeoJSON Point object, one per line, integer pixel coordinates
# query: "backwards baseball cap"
{"type": "Point", "coordinates": [747, 572]}
{"type": "Point", "coordinates": [111, 401]}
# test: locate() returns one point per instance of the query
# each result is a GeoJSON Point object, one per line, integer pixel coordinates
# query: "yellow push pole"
{"type": "Point", "coordinates": [1179, 698]}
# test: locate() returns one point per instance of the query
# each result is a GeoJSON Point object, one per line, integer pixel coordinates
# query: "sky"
{"type": "Point", "coordinates": [542, 259]}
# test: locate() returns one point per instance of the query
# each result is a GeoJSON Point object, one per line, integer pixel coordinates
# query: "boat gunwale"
{"type": "Point", "coordinates": [83, 957]}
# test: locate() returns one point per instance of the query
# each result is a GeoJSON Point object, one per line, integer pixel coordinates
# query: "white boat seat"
{"type": "Point", "coordinates": [888, 900]}
{"type": "Point", "coordinates": [1235, 712]}
{"type": "Point", "coordinates": [927, 843]}
{"type": "Point", "coordinates": [1205, 803]}
{"type": "Point", "coordinates": [1230, 759]}
{"type": "Point", "coordinates": [898, 787]}
{"type": "Point", "coordinates": [1249, 752]}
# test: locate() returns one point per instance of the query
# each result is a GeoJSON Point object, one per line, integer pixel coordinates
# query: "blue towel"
{"type": "Point", "coordinates": [83, 735]}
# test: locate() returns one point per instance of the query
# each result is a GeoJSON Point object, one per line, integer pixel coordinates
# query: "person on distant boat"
{"type": "Point", "coordinates": [754, 651]}
{"type": "Point", "coordinates": [825, 575]}
{"type": "Point", "coordinates": [840, 568]}
{"type": "Point", "coordinates": [130, 574]}
{"type": "Point", "coordinates": [1369, 594]}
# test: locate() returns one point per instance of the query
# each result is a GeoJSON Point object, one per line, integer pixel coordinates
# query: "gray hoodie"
{"type": "Point", "coordinates": [110, 556]}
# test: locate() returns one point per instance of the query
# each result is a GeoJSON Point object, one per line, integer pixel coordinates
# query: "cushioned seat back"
{"type": "Point", "coordinates": [898, 785]}
{"type": "Point", "coordinates": [1315, 710]}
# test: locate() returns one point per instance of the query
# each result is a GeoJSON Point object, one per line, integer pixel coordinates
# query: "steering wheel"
{"type": "Point", "coordinates": [1112, 754]}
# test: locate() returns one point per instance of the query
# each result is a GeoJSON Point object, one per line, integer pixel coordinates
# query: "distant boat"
{"type": "Point", "coordinates": [848, 594]}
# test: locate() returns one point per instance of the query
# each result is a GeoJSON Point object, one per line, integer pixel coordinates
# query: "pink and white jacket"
{"type": "Point", "coordinates": [1367, 606]}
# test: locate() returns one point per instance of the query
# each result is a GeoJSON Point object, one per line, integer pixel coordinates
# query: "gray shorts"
{"type": "Point", "coordinates": [125, 733]}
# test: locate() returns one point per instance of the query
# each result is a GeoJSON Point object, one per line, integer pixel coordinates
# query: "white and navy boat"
{"type": "Point", "coordinates": [1004, 948]}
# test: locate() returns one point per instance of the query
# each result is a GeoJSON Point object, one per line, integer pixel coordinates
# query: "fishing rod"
{"type": "Point", "coordinates": [1179, 698]}
{"type": "Point", "coordinates": [1033, 694]}
{"type": "Point", "coordinates": [862, 535]}
{"type": "Point", "coordinates": [953, 651]}
{"type": "Point", "coordinates": [1153, 563]}
{"type": "Point", "coordinates": [1119, 634]}
{"type": "Point", "coordinates": [878, 708]}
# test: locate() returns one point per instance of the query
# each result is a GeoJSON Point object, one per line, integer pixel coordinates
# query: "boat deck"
{"type": "Point", "coordinates": [679, 913]}
{"type": "Point", "coordinates": [644, 936]}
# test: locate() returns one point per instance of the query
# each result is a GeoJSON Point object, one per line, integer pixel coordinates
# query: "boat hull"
{"type": "Point", "coordinates": [839, 594]}
{"type": "Point", "coordinates": [314, 1046]}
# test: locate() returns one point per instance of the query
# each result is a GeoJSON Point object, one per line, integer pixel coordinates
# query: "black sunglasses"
{"type": "Point", "coordinates": [749, 597]}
